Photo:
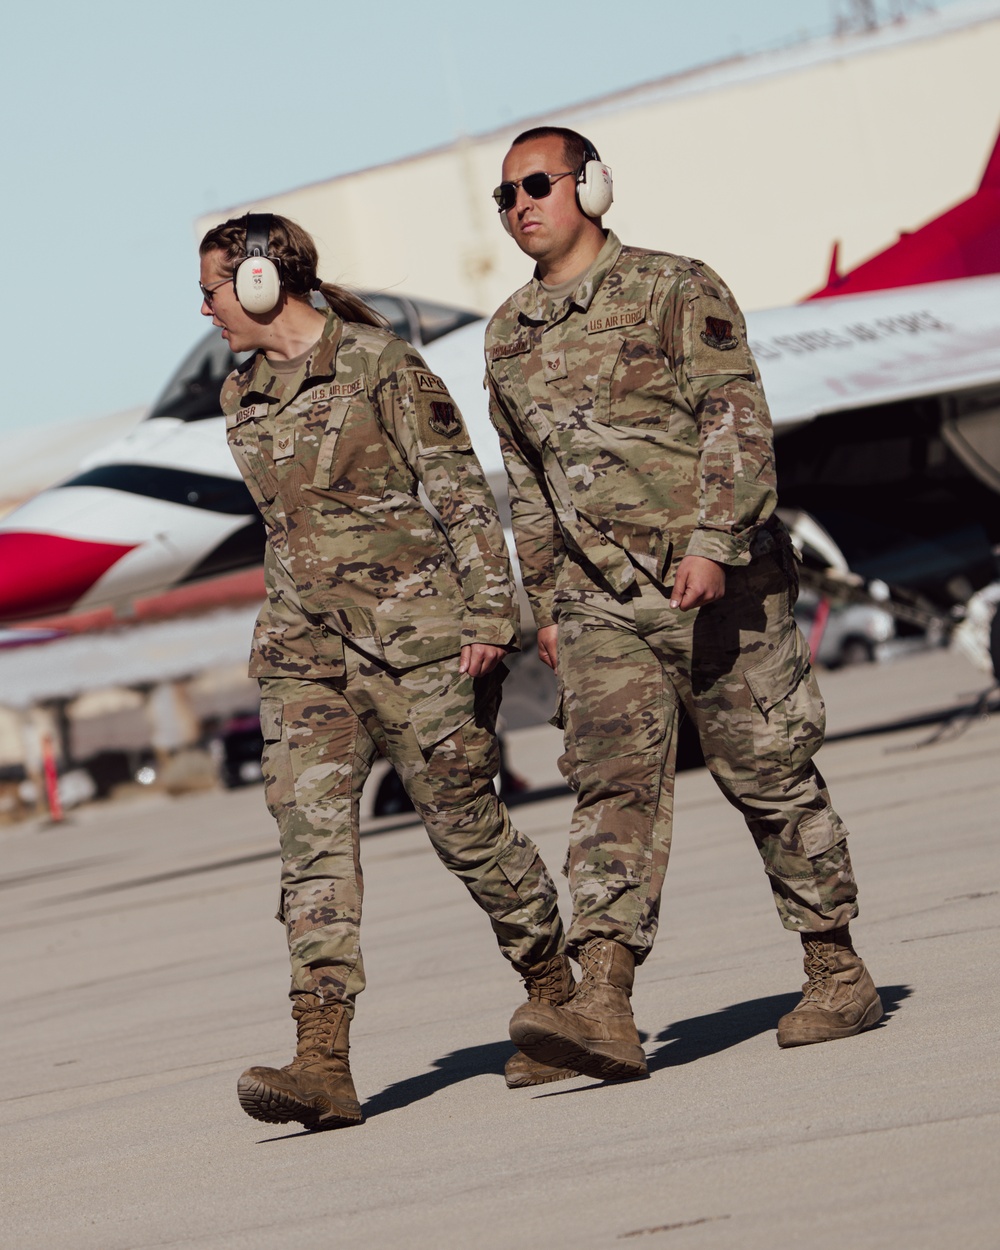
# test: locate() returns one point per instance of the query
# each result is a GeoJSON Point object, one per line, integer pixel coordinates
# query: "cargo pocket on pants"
{"type": "Point", "coordinates": [515, 860]}
{"type": "Point", "coordinates": [442, 721]}
{"type": "Point", "coordinates": [787, 713]}
{"type": "Point", "coordinates": [522, 878]}
{"type": "Point", "coordinates": [275, 763]}
{"type": "Point", "coordinates": [816, 875]}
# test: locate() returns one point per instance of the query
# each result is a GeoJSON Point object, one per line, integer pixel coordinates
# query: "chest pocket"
{"type": "Point", "coordinates": [252, 451]}
{"type": "Point", "coordinates": [534, 420]}
{"type": "Point", "coordinates": [637, 389]}
{"type": "Point", "coordinates": [352, 461]}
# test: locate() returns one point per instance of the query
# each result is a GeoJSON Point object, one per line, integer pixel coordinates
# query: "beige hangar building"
{"type": "Point", "coordinates": [754, 164]}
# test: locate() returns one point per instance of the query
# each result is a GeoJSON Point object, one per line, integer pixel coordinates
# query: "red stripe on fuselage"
{"type": "Point", "coordinates": [43, 573]}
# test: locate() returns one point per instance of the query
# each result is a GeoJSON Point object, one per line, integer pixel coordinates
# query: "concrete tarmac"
{"type": "Point", "coordinates": [142, 972]}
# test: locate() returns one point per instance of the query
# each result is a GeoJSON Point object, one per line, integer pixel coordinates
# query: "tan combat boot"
{"type": "Point", "coordinates": [550, 982]}
{"type": "Point", "coordinates": [316, 1088]}
{"type": "Point", "coordinates": [839, 998]}
{"type": "Point", "coordinates": [594, 1032]}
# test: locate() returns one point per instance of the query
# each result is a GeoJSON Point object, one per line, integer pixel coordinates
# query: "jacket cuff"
{"type": "Point", "coordinates": [494, 631]}
{"type": "Point", "coordinates": [720, 547]}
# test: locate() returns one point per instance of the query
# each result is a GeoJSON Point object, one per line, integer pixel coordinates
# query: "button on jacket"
{"type": "Point", "coordinates": [633, 425]}
{"type": "Point", "coordinates": [333, 456]}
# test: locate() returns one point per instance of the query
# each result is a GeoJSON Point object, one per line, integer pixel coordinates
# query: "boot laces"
{"type": "Point", "coordinates": [315, 1030]}
{"type": "Point", "coordinates": [590, 958]}
{"type": "Point", "coordinates": [817, 972]}
{"type": "Point", "coordinates": [546, 982]}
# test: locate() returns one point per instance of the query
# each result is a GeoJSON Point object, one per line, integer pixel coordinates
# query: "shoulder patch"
{"type": "Point", "coordinates": [714, 341]}
{"type": "Point", "coordinates": [427, 381]}
{"type": "Point", "coordinates": [719, 334]}
{"type": "Point", "coordinates": [443, 419]}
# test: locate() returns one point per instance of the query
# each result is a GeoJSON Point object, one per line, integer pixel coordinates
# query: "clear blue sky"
{"type": "Point", "coordinates": [124, 121]}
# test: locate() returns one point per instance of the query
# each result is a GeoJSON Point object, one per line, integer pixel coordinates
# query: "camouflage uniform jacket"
{"type": "Point", "coordinates": [633, 425]}
{"type": "Point", "coordinates": [332, 455]}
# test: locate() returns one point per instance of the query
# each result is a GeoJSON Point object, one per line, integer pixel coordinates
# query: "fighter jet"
{"type": "Point", "coordinates": [886, 406]}
{"type": "Point", "coordinates": [963, 242]}
{"type": "Point", "coordinates": [162, 506]}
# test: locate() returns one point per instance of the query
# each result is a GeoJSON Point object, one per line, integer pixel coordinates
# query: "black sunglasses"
{"type": "Point", "coordinates": [208, 292]}
{"type": "Point", "coordinates": [536, 186]}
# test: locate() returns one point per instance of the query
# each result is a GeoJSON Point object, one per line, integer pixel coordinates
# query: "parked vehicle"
{"type": "Point", "coordinates": [855, 633]}
{"type": "Point", "coordinates": [240, 746]}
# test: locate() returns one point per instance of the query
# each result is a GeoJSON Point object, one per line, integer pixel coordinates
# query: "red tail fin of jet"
{"type": "Point", "coordinates": [962, 243]}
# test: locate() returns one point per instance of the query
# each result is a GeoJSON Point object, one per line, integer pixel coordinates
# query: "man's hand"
{"type": "Point", "coordinates": [479, 658]}
{"type": "Point", "coordinates": [699, 581]}
{"type": "Point", "coordinates": [547, 645]}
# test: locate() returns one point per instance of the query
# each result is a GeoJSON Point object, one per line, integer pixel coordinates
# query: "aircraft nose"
{"type": "Point", "coordinates": [45, 573]}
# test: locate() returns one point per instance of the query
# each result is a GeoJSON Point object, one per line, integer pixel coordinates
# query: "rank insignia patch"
{"type": "Point", "coordinates": [719, 334]}
{"type": "Point", "coordinates": [554, 365]}
{"type": "Point", "coordinates": [284, 446]}
{"type": "Point", "coordinates": [443, 419]}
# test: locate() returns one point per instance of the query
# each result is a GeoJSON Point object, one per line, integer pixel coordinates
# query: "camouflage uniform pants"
{"type": "Point", "coordinates": [740, 669]}
{"type": "Point", "coordinates": [437, 728]}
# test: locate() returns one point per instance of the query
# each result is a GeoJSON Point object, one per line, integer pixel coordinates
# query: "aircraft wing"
{"type": "Point", "coordinates": [858, 351]}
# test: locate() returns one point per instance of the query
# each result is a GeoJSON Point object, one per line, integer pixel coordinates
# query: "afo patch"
{"type": "Point", "coordinates": [719, 334]}
{"type": "Point", "coordinates": [444, 419]}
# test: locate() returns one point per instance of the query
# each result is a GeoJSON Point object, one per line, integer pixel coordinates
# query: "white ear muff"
{"type": "Point", "coordinates": [258, 285]}
{"type": "Point", "coordinates": [594, 191]}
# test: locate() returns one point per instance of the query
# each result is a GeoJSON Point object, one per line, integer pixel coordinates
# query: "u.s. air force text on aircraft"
{"type": "Point", "coordinates": [849, 335]}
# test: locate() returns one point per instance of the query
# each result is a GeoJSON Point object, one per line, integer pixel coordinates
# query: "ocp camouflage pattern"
{"type": "Point", "coordinates": [333, 455]}
{"type": "Point", "coordinates": [633, 425]}
{"type": "Point", "coordinates": [437, 728]}
{"type": "Point", "coordinates": [740, 669]}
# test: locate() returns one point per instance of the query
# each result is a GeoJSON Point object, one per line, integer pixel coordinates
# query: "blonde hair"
{"type": "Point", "coordinates": [294, 252]}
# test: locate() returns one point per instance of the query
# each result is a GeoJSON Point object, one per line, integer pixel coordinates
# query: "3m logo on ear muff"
{"type": "Point", "coordinates": [256, 280]}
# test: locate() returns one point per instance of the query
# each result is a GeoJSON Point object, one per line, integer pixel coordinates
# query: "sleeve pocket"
{"type": "Point", "coordinates": [271, 719]}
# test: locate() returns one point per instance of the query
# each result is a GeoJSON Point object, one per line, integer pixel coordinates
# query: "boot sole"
{"type": "Point", "coordinates": [525, 1082]}
{"type": "Point", "coordinates": [565, 1052]}
{"type": "Point", "coordinates": [272, 1106]}
{"type": "Point", "coordinates": [873, 1014]}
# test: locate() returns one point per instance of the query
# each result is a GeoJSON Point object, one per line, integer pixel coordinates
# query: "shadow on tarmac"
{"type": "Point", "coordinates": [685, 1041]}
{"type": "Point", "coordinates": [457, 1066]}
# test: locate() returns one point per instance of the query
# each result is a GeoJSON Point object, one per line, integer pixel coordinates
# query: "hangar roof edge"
{"type": "Point", "coordinates": [748, 67]}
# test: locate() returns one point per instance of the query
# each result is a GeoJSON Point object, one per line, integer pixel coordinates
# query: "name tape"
{"type": "Point", "coordinates": [615, 321]}
{"type": "Point", "coordinates": [503, 350]}
{"type": "Point", "coordinates": [250, 413]}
